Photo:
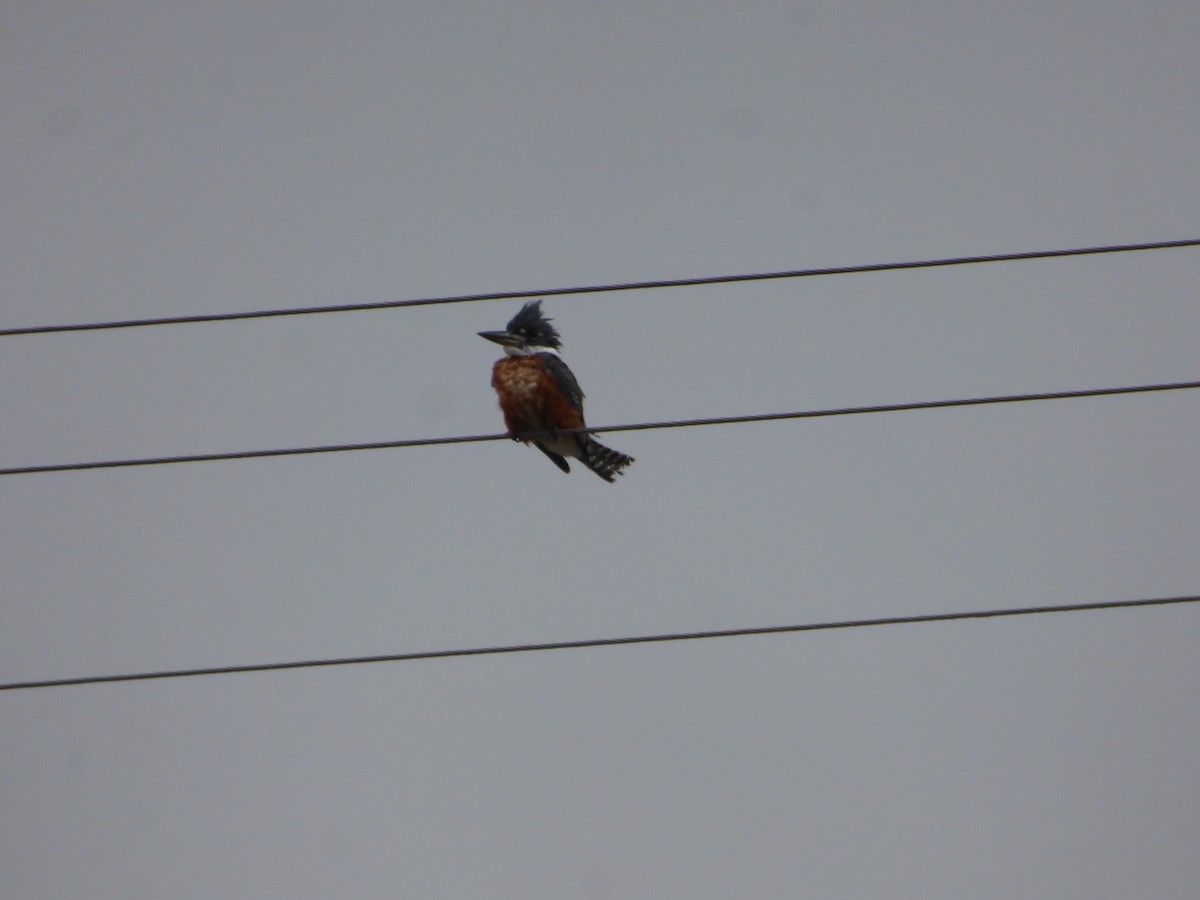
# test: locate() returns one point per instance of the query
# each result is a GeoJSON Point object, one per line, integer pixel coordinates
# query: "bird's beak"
{"type": "Point", "coordinates": [498, 337]}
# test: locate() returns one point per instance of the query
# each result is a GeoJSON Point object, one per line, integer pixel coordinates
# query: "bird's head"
{"type": "Point", "coordinates": [527, 332]}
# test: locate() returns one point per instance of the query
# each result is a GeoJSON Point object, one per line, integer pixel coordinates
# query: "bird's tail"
{"type": "Point", "coordinates": [604, 461]}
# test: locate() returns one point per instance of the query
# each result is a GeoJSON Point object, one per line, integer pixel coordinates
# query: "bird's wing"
{"type": "Point", "coordinates": [565, 379]}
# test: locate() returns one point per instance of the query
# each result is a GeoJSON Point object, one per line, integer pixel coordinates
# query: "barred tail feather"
{"type": "Point", "coordinates": [604, 461]}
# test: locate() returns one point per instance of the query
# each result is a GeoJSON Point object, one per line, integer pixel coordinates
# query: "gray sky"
{"type": "Point", "coordinates": [163, 159]}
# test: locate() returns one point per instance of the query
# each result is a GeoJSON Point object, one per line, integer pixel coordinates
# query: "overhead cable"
{"type": "Point", "coordinates": [596, 642]}
{"type": "Point", "coordinates": [640, 426]}
{"type": "Point", "coordinates": [603, 288]}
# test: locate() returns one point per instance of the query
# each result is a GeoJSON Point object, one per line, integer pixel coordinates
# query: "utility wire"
{"type": "Point", "coordinates": [640, 426]}
{"type": "Point", "coordinates": [597, 642]}
{"type": "Point", "coordinates": [605, 288]}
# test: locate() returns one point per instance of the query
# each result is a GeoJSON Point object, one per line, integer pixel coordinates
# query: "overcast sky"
{"type": "Point", "coordinates": [206, 157]}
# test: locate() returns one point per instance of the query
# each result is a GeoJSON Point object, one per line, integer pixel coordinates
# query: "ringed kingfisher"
{"type": "Point", "coordinates": [538, 393]}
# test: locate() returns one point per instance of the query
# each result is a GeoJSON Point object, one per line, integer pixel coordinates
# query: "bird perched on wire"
{"type": "Point", "coordinates": [538, 393]}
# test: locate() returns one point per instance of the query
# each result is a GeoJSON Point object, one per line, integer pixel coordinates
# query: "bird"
{"type": "Point", "coordinates": [539, 394]}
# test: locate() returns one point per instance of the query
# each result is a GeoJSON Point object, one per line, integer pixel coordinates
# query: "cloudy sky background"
{"type": "Point", "coordinates": [209, 157]}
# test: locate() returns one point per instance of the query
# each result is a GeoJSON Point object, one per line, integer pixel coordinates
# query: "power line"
{"type": "Point", "coordinates": [598, 642]}
{"type": "Point", "coordinates": [605, 288]}
{"type": "Point", "coordinates": [640, 426]}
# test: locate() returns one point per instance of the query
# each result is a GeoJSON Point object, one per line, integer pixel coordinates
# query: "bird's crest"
{"type": "Point", "coordinates": [531, 325]}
